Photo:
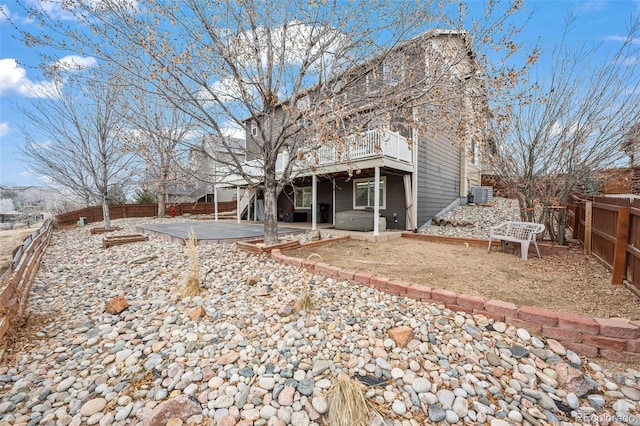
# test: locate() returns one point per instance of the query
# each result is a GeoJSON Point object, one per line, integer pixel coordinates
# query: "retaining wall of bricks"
{"type": "Point", "coordinates": [615, 339]}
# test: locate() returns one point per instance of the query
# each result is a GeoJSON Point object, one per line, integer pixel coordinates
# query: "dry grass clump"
{"type": "Point", "coordinates": [305, 303]}
{"type": "Point", "coordinates": [191, 286]}
{"type": "Point", "coordinates": [347, 403]}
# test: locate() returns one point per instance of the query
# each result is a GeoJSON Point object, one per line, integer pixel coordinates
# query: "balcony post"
{"type": "Point", "coordinates": [376, 202]}
{"type": "Point", "coordinates": [238, 204]}
{"type": "Point", "coordinates": [255, 206]}
{"type": "Point", "coordinates": [215, 202]}
{"type": "Point", "coordinates": [314, 201]}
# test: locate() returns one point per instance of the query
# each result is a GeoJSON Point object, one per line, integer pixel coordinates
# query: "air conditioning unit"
{"type": "Point", "coordinates": [482, 194]}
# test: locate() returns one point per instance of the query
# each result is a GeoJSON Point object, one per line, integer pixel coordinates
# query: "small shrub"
{"type": "Point", "coordinates": [191, 286]}
{"type": "Point", "coordinates": [347, 403]}
{"type": "Point", "coordinates": [305, 303]}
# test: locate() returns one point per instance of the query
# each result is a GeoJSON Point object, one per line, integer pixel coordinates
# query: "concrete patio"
{"type": "Point", "coordinates": [210, 232]}
{"type": "Point", "coordinates": [227, 231]}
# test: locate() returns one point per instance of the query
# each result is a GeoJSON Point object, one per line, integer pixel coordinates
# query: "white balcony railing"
{"type": "Point", "coordinates": [370, 144]}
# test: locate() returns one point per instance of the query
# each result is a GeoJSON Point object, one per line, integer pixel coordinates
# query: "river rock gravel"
{"type": "Point", "coordinates": [474, 220]}
{"type": "Point", "coordinates": [247, 358]}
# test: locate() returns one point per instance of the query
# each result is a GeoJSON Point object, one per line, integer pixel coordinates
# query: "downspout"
{"type": "Point", "coordinates": [414, 177]}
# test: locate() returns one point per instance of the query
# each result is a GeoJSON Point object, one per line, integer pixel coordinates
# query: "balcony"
{"type": "Point", "coordinates": [360, 147]}
{"type": "Point", "coordinates": [378, 143]}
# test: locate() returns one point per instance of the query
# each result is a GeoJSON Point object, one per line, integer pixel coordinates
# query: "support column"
{"type": "Point", "coordinates": [376, 202]}
{"type": "Point", "coordinates": [215, 202]}
{"type": "Point", "coordinates": [238, 203]}
{"type": "Point", "coordinates": [333, 208]}
{"type": "Point", "coordinates": [255, 206]}
{"type": "Point", "coordinates": [314, 202]}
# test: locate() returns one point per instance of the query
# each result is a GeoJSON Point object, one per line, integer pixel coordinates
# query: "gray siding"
{"type": "Point", "coordinates": [438, 176]}
{"type": "Point", "coordinates": [273, 127]}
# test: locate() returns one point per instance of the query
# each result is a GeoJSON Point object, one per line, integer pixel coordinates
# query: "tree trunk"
{"type": "Point", "coordinates": [270, 210]}
{"type": "Point", "coordinates": [105, 212]}
{"type": "Point", "coordinates": [161, 200]}
{"type": "Point", "coordinates": [561, 225]}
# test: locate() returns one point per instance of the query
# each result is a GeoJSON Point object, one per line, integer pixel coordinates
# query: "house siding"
{"type": "Point", "coordinates": [273, 126]}
{"type": "Point", "coordinates": [438, 176]}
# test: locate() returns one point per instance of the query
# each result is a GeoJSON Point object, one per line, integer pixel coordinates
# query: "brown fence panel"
{"type": "Point", "coordinates": [603, 232]}
{"type": "Point", "coordinates": [633, 248]}
{"type": "Point", "coordinates": [94, 214]}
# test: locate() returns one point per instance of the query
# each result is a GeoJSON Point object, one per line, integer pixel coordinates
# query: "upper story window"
{"type": "Point", "coordinates": [364, 193]}
{"type": "Point", "coordinates": [394, 71]}
{"type": "Point", "coordinates": [254, 129]}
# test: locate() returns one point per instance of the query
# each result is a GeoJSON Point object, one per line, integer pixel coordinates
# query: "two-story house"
{"type": "Point", "coordinates": [402, 140]}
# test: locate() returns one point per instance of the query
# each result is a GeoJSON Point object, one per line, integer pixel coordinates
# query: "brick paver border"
{"type": "Point", "coordinates": [615, 339]}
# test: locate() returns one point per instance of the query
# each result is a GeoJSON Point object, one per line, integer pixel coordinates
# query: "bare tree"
{"type": "Point", "coordinates": [75, 139]}
{"type": "Point", "coordinates": [282, 70]}
{"type": "Point", "coordinates": [567, 125]}
{"type": "Point", "coordinates": [158, 129]}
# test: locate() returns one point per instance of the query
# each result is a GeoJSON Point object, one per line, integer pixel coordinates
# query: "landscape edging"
{"type": "Point", "coordinates": [615, 339]}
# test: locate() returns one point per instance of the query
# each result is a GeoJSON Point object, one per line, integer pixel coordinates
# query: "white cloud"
{"type": "Point", "coordinates": [57, 9]}
{"type": "Point", "coordinates": [297, 42]}
{"type": "Point", "coordinates": [593, 6]}
{"type": "Point", "coordinates": [40, 179]}
{"type": "Point", "coordinates": [622, 39]}
{"type": "Point", "coordinates": [74, 63]}
{"type": "Point", "coordinates": [13, 77]}
{"type": "Point", "coordinates": [41, 145]}
{"type": "Point", "coordinates": [42, 89]}
{"type": "Point", "coordinates": [53, 8]}
{"type": "Point", "coordinates": [232, 130]}
{"type": "Point", "coordinates": [5, 13]}
{"type": "Point", "coordinates": [4, 128]}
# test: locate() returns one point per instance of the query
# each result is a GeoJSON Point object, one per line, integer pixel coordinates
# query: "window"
{"type": "Point", "coordinates": [364, 193]}
{"type": "Point", "coordinates": [254, 129]}
{"type": "Point", "coordinates": [393, 71]}
{"type": "Point", "coordinates": [303, 197]}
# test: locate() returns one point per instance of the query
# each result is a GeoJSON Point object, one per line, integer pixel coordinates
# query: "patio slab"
{"type": "Point", "coordinates": [210, 232]}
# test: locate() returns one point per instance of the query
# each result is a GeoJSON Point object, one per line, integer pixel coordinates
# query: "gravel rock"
{"type": "Point", "coordinates": [249, 358]}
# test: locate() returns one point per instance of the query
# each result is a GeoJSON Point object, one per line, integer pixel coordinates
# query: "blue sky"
{"type": "Point", "coordinates": [598, 21]}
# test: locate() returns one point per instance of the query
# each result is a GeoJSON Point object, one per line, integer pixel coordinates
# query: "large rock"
{"type": "Point", "coordinates": [180, 407]}
{"type": "Point", "coordinates": [197, 313]}
{"type": "Point", "coordinates": [401, 335]}
{"type": "Point", "coordinates": [116, 305]}
{"type": "Point", "coordinates": [228, 358]}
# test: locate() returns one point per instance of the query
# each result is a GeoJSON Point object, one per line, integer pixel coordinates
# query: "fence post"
{"type": "Point", "coordinates": [620, 248]}
{"type": "Point", "coordinates": [588, 219]}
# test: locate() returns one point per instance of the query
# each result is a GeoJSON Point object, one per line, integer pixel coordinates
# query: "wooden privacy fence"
{"type": "Point", "coordinates": [609, 228]}
{"type": "Point", "coordinates": [15, 283]}
{"type": "Point", "coordinates": [94, 214]}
